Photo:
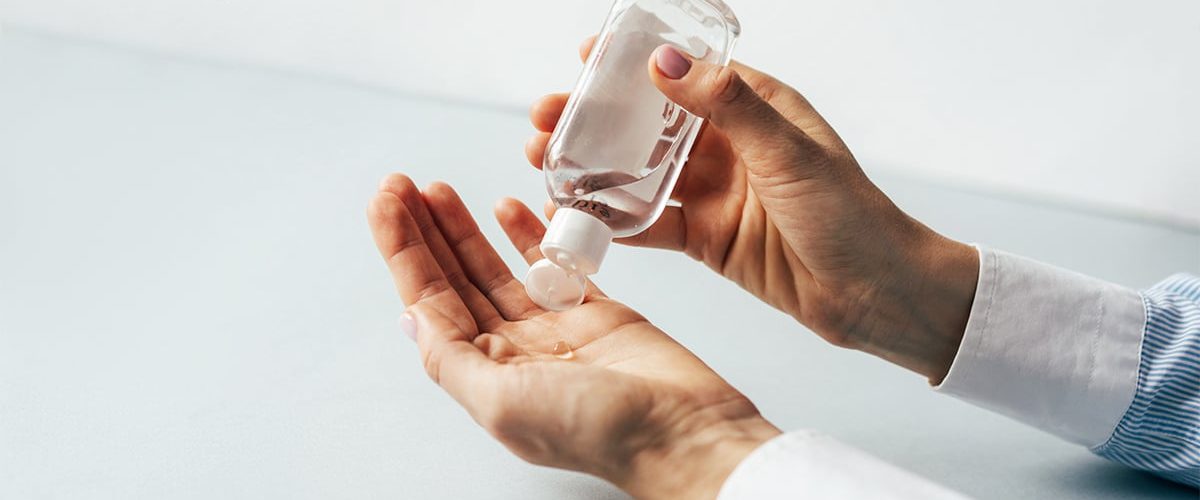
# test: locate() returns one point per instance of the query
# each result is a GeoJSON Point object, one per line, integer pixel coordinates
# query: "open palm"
{"type": "Point", "coordinates": [627, 390]}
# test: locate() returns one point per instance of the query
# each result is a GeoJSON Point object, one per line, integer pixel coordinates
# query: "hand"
{"type": "Point", "coordinates": [630, 405]}
{"type": "Point", "coordinates": [772, 199]}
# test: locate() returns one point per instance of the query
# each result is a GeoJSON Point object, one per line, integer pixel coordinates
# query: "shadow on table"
{"type": "Point", "coordinates": [1110, 480]}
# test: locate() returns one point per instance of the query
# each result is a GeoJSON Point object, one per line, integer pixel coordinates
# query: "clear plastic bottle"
{"type": "Point", "coordinates": [620, 143]}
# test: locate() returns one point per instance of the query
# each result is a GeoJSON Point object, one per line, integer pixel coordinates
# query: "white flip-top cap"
{"type": "Point", "coordinates": [576, 241]}
{"type": "Point", "coordinates": [574, 246]}
{"type": "Point", "coordinates": [554, 288]}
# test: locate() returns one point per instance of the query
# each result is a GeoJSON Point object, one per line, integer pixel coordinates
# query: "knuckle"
{"type": "Point", "coordinates": [495, 282]}
{"type": "Point", "coordinates": [424, 223]}
{"type": "Point", "coordinates": [767, 88]}
{"type": "Point", "coordinates": [456, 277]}
{"type": "Point", "coordinates": [724, 85]}
{"type": "Point", "coordinates": [433, 364]}
{"type": "Point", "coordinates": [431, 288]}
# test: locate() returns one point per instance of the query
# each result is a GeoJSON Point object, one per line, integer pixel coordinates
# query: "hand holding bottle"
{"type": "Point", "coordinates": [596, 389]}
{"type": "Point", "coordinates": [772, 199]}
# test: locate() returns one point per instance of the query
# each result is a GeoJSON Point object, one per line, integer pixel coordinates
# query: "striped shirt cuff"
{"type": "Point", "coordinates": [1160, 431]}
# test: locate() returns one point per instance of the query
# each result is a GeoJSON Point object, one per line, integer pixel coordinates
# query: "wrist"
{"type": "Point", "coordinates": [943, 305]}
{"type": "Point", "coordinates": [694, 460]}
{"type": "Point", "coordinates": [918, 316]}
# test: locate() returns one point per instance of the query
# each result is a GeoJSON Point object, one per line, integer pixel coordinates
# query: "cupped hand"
{"type": "Point", "coordinates": [772, 199]}
{"type": "Point", "coordinates": [629, 404]}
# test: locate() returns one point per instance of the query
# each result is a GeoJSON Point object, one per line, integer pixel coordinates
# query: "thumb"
{"type": "Point", "coordinates": [450, 358]}
{"type": "Point", "coordinates": [772, 146]}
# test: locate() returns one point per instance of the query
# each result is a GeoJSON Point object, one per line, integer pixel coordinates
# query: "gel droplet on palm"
{"type": "Point", "coordinates": [620, 144]}
{"type": "Point", "coordinates": [562, 350]}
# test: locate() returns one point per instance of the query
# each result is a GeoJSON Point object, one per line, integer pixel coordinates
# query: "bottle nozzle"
{"type": "Point", "coordinates": [574, 247]}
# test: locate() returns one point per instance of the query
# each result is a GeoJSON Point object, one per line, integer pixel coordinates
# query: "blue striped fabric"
{"type": "Point", "coordinates": [1160, 432]}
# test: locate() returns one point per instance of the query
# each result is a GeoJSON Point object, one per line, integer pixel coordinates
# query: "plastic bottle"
{"type": "Point", "coordinates": [620, 143]}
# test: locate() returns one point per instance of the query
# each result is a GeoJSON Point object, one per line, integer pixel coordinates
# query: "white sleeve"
{"type": "Point", "coordinates": [1049, 347]}
{"type": "Point", "coordinates": [806, 464]}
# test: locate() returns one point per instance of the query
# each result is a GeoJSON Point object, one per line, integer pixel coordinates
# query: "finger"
{"type": "Point", "coordinates": [525, 232]}
{"type": "Point", "coordinates": [585, 48]}
{"type": "Point", "coordinates": [454, 363]}
{"type": "Point", "coordinates": [710, 169]}
{"type": "Point", "coordinates": [545, 112]}
{"type": "Point", "coordinates": [523, 228]}
{"type": "Point", "coordinates": [669, 232]}
{"type": "Point", "coordinates": [794, 107]}
{"type": "Point", "coordinates": [482, 265]}
{"type": "Point", "coordinates": [774, 148]}
{"type": "Point", "coordinates": [482, 310]}
{"type": "Point", "coordinates": [535, 149]}
{"type": "Point", "coordinates": [771, 89]}
{"type": "Point", "coordinates": [497, 347]}
{"type": "Point", "coordinates": [415, 271]}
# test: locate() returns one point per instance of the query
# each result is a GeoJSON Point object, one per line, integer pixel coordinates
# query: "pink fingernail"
{"type": "Point", "coordinates": [672, 63]}
{"type": "Point", "coordinates": [408, 325]}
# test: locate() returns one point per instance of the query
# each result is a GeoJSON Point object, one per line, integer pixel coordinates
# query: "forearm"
{"type": "Point", "coordinates": [917, 322]}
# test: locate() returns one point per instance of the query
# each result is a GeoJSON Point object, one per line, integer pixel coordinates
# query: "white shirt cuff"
{"type": "Point", "coordinates": [806, 464]}
{"type": "Point", "coordinates": [1049, 347]}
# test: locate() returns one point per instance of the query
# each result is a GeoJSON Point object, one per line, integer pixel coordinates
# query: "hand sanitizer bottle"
{"type": "Point", "coordinates": [619, 146]}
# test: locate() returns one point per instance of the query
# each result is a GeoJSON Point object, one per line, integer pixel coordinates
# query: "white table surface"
{"type": "Point", "coordinates": [191, 306]}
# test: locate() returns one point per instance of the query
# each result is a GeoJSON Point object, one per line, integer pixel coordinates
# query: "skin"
{"type": "Point", "coordinates": [630, 405]}
{"type": "Point", "coordinates": [771, 198]}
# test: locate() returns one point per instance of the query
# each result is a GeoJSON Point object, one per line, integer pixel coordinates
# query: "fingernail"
{"type": "Point", "coordinates": [408, 325]}
{"type": "Point", "coordinates": [672, 63]}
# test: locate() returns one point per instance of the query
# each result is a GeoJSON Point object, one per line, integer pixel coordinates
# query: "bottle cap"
{"type": "Point", "coordinates": [554, 288]}
{"type": "Point", "coordinates": [574, 246]}
{"type": "Point", "coordinates": [576, 241]}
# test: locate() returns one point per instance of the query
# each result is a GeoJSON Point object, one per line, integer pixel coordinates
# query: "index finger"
{"type": "Point", "coordinates": [416, 273]}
